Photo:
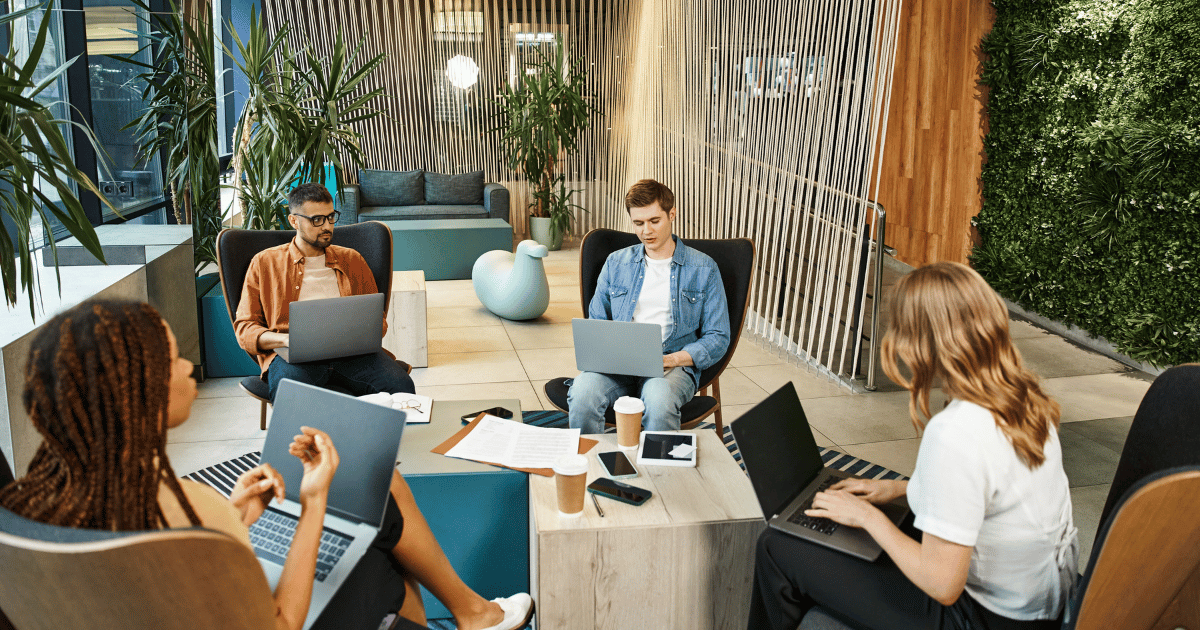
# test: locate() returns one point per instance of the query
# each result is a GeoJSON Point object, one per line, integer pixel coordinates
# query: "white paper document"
{"type": "Point", "coordinates": [416, 408]}
{"type": "Point", "coordinates": [515, 445]}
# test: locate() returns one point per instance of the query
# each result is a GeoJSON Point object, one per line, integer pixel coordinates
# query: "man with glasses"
{"type": "Point", "coordinates": [311, 268]}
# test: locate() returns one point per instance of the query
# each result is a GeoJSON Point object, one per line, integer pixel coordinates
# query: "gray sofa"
{"type": "Point", "coordinates": [399, 195]}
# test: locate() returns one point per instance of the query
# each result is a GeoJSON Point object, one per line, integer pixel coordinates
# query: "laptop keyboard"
{"type": "Point", "coordinates": [271, 537]}
{"type": "Point", "coordinates": [819, 525]}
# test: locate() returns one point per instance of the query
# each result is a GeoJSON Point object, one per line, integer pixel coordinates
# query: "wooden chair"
{"type": "Point", "coordinates": [58, 577]}
{"type": "Point", "coordinates": [235, 249]}
{"type": "Point", "coordinates": [735, 259]}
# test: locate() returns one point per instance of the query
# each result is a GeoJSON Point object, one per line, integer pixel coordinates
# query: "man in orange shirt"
{"type": "Point", "coordinates": [309, 268]}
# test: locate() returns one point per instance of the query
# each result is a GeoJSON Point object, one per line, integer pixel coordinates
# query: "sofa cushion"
{"type": "Point", "coordinates": [386, 213]}
{"type": "Point", "coordinates": [391, 188]}
{"type": "Point", "coordinates": [464, 189]}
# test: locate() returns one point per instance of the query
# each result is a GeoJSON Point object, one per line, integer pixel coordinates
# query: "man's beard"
{"type": "Point", "coordinates": [316, 243]}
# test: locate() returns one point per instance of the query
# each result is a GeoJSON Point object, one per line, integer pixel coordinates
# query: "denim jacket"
{"type": "Point", "coordinates": [699, 312]}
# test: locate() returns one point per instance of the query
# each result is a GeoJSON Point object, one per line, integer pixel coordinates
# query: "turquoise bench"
{"type": "Point", "coordinates": [446, 249]}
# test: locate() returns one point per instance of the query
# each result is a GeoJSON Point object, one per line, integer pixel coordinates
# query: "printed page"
{"type": "Point", "coordinates": [492, 441]}
{"type": "Point", "coordinates": [540, 447]}
{"type": "Point", "coordinates": [515, 445]}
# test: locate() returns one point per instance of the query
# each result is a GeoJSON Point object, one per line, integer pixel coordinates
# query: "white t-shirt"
{"type": "Point", "coordinates": [654, 302]}
{"type": "Point", "coordinates": [970, 488]}
{"type": "Point", "coordinates": [317, 281]}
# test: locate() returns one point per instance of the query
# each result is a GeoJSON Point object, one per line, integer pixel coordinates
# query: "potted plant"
{"type": "Point", "coordinates": [297, 118]}
{"type": "Point", "coordinates": [35, 165]}
{"type": "Point", "coordinates": [540, 120]}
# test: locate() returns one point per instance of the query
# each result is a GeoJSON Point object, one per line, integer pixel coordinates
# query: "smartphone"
{"type": "Point", "coordinates": [617, 465]}
{"type": "Point", "coordinates": [619, 491]}
{"type": "Point", "coordinates": [499, 412]}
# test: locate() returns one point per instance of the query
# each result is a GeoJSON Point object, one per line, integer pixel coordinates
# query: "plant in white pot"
{"type": "Point", "coordinates": [540, 121]}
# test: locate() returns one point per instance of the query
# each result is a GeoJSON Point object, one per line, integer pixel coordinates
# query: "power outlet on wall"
{"type": "Point", "coordinates": [117, 188]}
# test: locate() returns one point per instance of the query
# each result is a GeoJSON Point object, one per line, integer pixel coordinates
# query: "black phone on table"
{"type": "Point", "coordinates": [499, 412]}
{"type": "Point", "coordinates": [617, 465]}
{"type": "Point", "coordinates": [618, 491]}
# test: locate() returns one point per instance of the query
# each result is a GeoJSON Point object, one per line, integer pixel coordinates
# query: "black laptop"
{"type": "Point", "coordinates": [786, 470]}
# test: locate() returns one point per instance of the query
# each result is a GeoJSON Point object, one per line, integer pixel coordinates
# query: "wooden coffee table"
{"type": "Point", "coordinates": [684, 559]}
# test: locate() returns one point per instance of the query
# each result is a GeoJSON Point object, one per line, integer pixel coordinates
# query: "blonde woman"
{"type": "Point", "coordinates": [997, 548]}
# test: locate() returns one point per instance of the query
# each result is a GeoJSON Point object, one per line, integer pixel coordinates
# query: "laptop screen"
{"type": "Point", "coordinates": [778, 448]}
{"type": "Point", "coordinates": [366, 436]}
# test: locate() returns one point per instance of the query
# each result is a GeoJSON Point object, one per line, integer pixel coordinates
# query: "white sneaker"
{"type": "Point", "coordinates": [518, 611]}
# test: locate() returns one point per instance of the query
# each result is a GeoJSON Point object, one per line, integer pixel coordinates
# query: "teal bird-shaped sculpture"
{"type": "Point", "coordinates": [513, 286]}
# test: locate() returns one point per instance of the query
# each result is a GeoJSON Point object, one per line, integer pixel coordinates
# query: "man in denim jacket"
{"type": "Point", "coordinates": [661, 281]}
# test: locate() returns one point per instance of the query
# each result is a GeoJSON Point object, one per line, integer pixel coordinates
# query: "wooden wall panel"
{"type": "Point", "coordinates": [929, 181]}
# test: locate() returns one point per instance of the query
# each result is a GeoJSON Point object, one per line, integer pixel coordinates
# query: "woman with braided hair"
{"type": "Point", "coordinates": [104, 383]}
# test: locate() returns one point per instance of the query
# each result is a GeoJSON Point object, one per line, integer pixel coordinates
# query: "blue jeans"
{"type": "Point", "coordinates": [359, 376]}
{"type": "Point", "coordinates": [591, 395]}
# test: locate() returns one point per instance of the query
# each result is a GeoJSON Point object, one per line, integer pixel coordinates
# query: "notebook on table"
{"type": "Point", "coordinates": [333, 328]}
{"type": "Point", "coordinates": [367, 439]}
{"type": "Point", "coordinates": [626, 348]}
{"type": "Point", "coordinates": [785, 467]}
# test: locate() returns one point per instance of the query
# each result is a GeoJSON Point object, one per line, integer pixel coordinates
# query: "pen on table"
{"type": "Point", "coordinates": [597, 504]}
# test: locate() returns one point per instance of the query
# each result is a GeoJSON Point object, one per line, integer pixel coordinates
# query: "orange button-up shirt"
{"type": "Point", "coordinates": [273, 282]}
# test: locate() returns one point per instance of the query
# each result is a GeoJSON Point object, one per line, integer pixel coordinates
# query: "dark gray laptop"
{"type": "Point", "coordinates": [367, 438]}
{"type": "Point", "coordinates": [786, 470]}
{"type": "Point", "coordinates": [333, 328]}
{"type": "Point", "coordinates": [626, 348]}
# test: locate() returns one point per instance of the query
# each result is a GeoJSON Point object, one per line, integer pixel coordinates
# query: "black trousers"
{"type": "Point", "coordinates": [791, 576]}
{"type": "Point", "coordinates": [376, 585]}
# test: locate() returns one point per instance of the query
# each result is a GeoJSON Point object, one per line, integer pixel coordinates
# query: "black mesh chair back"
{"type": "Point", "coordinates": [6, 471]}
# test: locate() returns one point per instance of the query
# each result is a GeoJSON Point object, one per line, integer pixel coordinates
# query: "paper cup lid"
{"type": "Point", "coordinates": [571, 465]}
{"type": "Point", "coordinates": [629, 404]}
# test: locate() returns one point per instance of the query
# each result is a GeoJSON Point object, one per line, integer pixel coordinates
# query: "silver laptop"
{"type": "Point", "coordinates": [786, 470]}
{"type": "Point", "coordinates": [333, 328]}
{"type": "Point", "coordinates": [367, 438]}
{"type": "Point", "coordinates": [626, 348]}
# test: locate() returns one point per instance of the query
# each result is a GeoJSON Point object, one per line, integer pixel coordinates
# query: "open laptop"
{"type": "Point", "coordinates": [626, 348]}
{"type": "Point", "coordinates": [333, 328]}
{"type": "Point", "coordinates": [367, 438]}
{"type": "Point", "coordinates": [786, 470]}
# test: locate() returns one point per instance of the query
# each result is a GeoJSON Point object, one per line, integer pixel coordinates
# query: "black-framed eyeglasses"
{"type": "Point", "coordinates": [320, 219]}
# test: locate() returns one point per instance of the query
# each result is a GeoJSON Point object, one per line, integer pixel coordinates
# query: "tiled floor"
{"type": "Point", "coordinates": [474, 354]}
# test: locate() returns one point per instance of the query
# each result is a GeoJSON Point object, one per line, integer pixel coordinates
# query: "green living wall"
{"type": "Point", "coordinates": [1091, 212]}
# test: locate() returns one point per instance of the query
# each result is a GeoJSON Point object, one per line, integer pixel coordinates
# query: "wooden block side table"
{"type": "Point", "coordinates": [684, 559]}
{"type": "Point", "coordinates": [407, 334]}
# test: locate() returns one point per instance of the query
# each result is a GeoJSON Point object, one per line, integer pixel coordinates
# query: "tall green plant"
{"type": "Point", "coordinates": [179, 118]}
{"type": "Point", "coordinates": [298, 116]}
{"type": "Point", "coordinates": [540, 122]}
{"type": "Point", "coordinates": [35, 160]}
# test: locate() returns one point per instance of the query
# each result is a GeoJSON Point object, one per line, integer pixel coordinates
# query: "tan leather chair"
{"type": "Point", "coordinates": [58, 577]}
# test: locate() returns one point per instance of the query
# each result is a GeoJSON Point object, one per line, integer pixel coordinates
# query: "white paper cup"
{"type": "Point", "coordinates": [628, 411]}
{"type": "Point", "coordinates": [570, 476]}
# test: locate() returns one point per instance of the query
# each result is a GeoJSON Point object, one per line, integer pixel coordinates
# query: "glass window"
{"type": "Point", "coordinates": [114, 32]}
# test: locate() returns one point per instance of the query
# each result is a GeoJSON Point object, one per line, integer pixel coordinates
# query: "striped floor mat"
{"type": "Point", "coordinates": [222, 476]}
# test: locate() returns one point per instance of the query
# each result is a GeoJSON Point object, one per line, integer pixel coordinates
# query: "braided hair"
{"type": "Point", "coordinates": [97, 390]}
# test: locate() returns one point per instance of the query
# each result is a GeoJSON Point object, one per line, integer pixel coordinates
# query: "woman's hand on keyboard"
{"type": "Point", "coordinates": [254, 489]}
{"type": "Point", "coordinates": [877, 491]}
{"type": "Point", "coordinates": [320, 458]}
{"type": "Point", "coordinates": [842, 507]}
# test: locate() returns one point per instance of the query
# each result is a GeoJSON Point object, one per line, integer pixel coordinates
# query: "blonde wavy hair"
{"type": "Point", "coordinates": [947, 323]}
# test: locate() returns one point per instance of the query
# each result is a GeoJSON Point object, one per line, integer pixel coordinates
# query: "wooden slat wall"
{"type": "Point", "coordinates": [929, 182]}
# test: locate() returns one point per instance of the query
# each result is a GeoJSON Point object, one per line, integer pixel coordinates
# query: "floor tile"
{"type": "Point", "coordinates": [737, 389]}
{"type": "Point", "coordinates": [732, 413]}
{"type": "Point", "coordinates": [568, 293]}
{"type": "Point", "coordinates": [1053, 357]}
{"type": "Point", "coordinates": [749, 353]}
{"type": "Point", "coordinates": [539, 386]}
{"type": "Point", "coordinates": [548, 363]}
{"type": "Point", "coordinates": [557, 313]}
{"type": "Point", "coordinates": [863, 418]}
{"type": "Point", "coordinates": [460, 317]}
{"type": "Point", "coordinates": [469, 367]}
{"type": "Point", "coordinates": [188, 457]}
{"type": "Point", "coordinates": [1109, 432]}
{"type": "Point", "coordinates": [233, 418]}
{"type": "Point", "coordinates": [474, 339]}
{"type": "Point", "coordinates": [898, 455]}
{"type": "Point", "coordinates": [521, 390]}
{"type": "Point", "coordinates": [1087, 502]}
{"type": "Point", "coordinates": [1087, 462]}
{"type": "Point", "coordinates": [220, 388]}
{"type": "Point", "coordinates": [533, 336]}
{"type": "Point", "coordinates": [808, 384]}
{"type": "Point", "coordinates": [1095, 396]}
{"type": "Point", "coordinates": [452, 297]}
